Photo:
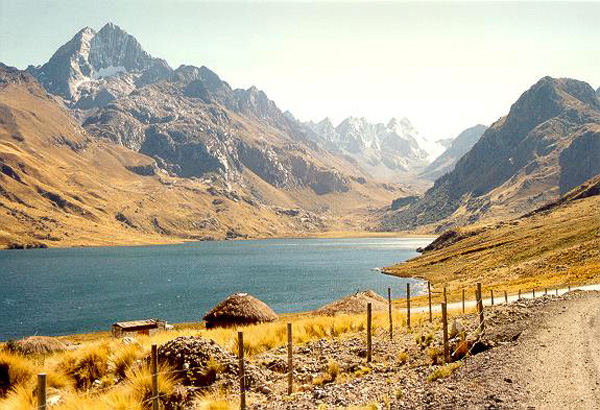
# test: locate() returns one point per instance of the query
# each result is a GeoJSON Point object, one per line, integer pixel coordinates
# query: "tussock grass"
{"type": "Point", "coordinates": [86, 365]}
{"type": "Point", "coordinates": [443, 371]}
{"type": "Point", "coordinates": [21, 370]}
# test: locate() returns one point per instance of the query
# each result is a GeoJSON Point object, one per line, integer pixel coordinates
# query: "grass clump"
{"type": "Point", "coordinates": [402, 357]}
{"type": "Point", "coordinates": [20, 370]}
{"type": "Point", "coordinates": [443, 371]}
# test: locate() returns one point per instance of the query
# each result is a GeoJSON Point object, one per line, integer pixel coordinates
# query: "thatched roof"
{"type": "Point", "coordinates": [37, 345]}
{"type": "Point", "coordinates": [356, 303]}
{"type": "Point", "coordinates": [239, 308]}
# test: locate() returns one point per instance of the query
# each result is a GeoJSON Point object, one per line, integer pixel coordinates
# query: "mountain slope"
{"type": "Point", "coordinates": [555, 245]}
{"type": "Point", "coordinates": [59, 186]}
{"type": "Point", "coordinates": [457, 148]}
{"type": "Point", "coordinates": [546, 145]}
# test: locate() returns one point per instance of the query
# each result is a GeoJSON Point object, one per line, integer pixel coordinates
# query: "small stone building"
{"type": "Point", "coordinates": [138, 327]}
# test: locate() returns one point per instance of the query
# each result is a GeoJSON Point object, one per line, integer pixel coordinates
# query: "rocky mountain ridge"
{"type": "Point", "coordinates": [384, 150]}
{"type": "Point", "coordinates": [547, 144]}
{"type": "Point", "coordinates": [193, 123]}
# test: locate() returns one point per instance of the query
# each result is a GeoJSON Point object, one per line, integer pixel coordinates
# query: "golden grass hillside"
{"type": "Point", "coordinates": [556, 246]}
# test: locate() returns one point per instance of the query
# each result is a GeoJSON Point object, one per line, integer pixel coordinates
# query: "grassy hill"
{"type": "Point", "coordinates": [557, 244]}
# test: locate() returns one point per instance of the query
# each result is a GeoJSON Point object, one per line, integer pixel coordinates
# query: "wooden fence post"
{"type": "Point", "coordinates": [480, 307]}
{"type": "Point", "coordinates": [445, 296]}
{"type": "Point", "coordinates": [556, 291]}
{"type": "Point", "coordinates": [569, 288]}
{"type": "Point", "coordinates": [505, 297]}
{"type": "Point", "coordinates": [492, 296]}
{"type": "Point", "coordinates": [533, 293]}
{"type": "Point", "coordinates": [408, 306]}
{"type": "Point", "coordinates": [390, 313]}
{"type": "Point", "coordinates": [369, 307]}
{"type": "Point", "coordinates": [290, 362]}
{"type": "Point", "coordinates": [154, 367]}
{"type": "Point", "coordinates": [463, 300]}
{"type": "Point", "coordinates": [242, 371]}
{"type": "Point", "coordinates": [430, 311]}
{"type": "Point", "coordinates": [519, 293]}
{"type": "Point", "coordinates": [41, 391]}
{"type": "Point", "coordinates": [546, 292]}
{"type": "Point", "coordinates": [445, 330]}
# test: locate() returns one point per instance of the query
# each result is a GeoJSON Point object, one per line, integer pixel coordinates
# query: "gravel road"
{"type": "Point", "coordinates": [554, 363]}
{"type": "Point", "coordinates": [560, 361]}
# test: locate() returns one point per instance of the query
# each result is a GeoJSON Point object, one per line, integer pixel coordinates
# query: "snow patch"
{"type": "Point", "coordinates": [108, 72]}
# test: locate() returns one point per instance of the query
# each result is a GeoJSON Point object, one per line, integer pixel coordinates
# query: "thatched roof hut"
{"type": "Point", "coordinates": [37, 345]}
{"type": "Point", "coordinates": [239, 309]}
{"type": "Point", "coordinates": [356, 303]}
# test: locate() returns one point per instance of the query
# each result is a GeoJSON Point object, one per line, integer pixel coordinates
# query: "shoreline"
{"type": "Point", "coordinates": [181, 241]}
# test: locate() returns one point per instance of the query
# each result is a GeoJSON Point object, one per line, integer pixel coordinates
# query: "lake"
{"type": "Point", "coordinates": [78, 290]}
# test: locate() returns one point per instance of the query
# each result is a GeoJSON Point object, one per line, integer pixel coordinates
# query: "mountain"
{"type": "Point", "coordinates": [457, 147]}
{"type": "Point", "coordinates": [383, 150]}
{"type": "Point", "coordinates": [192, 123]}
{"type": "Point", "coordinates": [62, 186]}
{"type": "Point", "coordinates": [95, 68]}
{"type": "Point", "coordinates": [547, 144]}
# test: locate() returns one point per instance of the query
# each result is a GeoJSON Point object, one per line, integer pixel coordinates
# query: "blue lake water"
{"type": "Point", "coordinates": [76, 290]}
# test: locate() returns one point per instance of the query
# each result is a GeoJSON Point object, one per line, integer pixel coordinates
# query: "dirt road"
{"type": "Point", "coordinates": [554, 363]}
{"type": "Point", "coordinates": [560, 360]}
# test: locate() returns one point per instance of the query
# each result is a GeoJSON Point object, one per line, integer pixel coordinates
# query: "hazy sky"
{"type": "Point", "coordinates": [445, 66]}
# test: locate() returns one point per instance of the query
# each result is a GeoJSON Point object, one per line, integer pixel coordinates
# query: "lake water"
{"type": "Point", "coordinates": [77, 290]}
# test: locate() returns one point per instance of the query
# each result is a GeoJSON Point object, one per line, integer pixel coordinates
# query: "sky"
{"type": "Point", "coordinates": [445, 66]}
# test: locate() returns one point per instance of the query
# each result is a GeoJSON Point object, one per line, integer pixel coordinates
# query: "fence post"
{"type": "Point", "coordinates": [569, 288]}
{"type": "Point", "coordinates": [390, 313]}
{"type": "Point", "coordinates": [546, 292]}
{"type": "Point", "coordinates": [369, 333]}
{"type": "Point", "coordinates": [445, 330]}
{"type": "Point", "coordinates": [154, 378]}
{"type": "Point", "coordinates": [533, 293]}
{"type": "Point", "coordinates": [242, 371]}
{"type": "Point", "coordinates": [480, 306]}
{"type": "Point", "coordinates": [556, 291]}
{"type": "Point", "coordinates": [492, 296]}
{"type": "Point", "coordinates": [408, 306]}
{"type": "Point", "coordinates": [430, 312]}
{"type": "Point", "coordinates": [41, 391]}
{"type": "Point", "coordinates": [445, 296]}
{"type": "Point", "coordinates": [463, 300]}
{"type": "Point", "coordinates": [519, 293]}
{"type": "Point", "coordinates": [290, 362]}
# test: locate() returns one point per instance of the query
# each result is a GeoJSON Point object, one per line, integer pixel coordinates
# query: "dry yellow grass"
{"type": "Point", "coordinates": [104, 373]}
{"type": "Point", "coordinates": [549, 249]}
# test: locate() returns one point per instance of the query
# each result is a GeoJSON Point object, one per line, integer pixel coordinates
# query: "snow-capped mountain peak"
{"type": "Point", "coordinates": [80, 68]}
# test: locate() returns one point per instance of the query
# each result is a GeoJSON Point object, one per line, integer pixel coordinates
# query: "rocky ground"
{"type": "Point", "coordinates": [505, 369]}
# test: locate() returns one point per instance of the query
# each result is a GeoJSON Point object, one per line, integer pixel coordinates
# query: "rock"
{"type": "Point", "coordinates": [457, 328]}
